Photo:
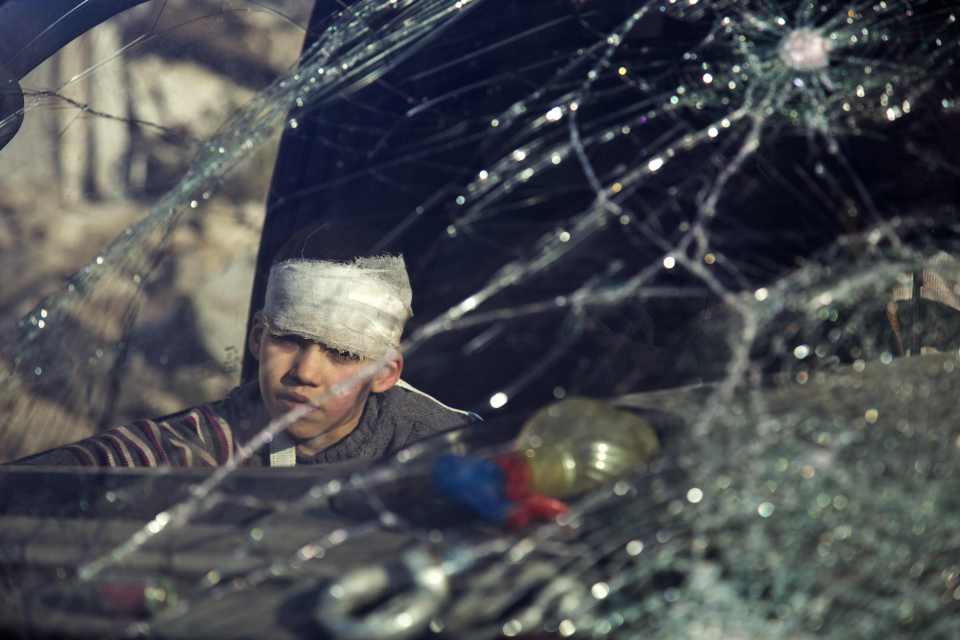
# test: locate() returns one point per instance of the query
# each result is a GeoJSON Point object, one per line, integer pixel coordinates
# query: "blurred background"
{"type": "Point", "coordinates": [112, 122]}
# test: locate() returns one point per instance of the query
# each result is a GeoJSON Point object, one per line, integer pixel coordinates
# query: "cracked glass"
{"type": "Point", "coordinates": [735, 220]}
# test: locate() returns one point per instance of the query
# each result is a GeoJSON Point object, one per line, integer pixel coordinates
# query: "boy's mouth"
{"type": "Point", "coordinates": [295, 401]}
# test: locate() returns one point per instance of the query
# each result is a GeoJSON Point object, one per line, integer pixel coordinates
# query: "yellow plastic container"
{"type": "Point", "coordinates": [579, 444]}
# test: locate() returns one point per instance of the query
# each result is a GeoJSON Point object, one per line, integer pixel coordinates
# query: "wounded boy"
{"type": "Point", "coordinates": [326, 342]}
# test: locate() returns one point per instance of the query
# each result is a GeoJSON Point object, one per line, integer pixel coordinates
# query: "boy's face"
{"type": "Point", "coordinates": [295, 371]}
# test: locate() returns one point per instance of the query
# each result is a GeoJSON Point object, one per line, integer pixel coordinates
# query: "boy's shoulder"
{"type": "Point", "coordinates": [406, 404]}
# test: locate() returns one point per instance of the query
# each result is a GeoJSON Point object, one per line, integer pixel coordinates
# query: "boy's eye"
{"type": "Point", "coordinates": [287, 338]}
{"type": "Point", "coordinates": [342, 356]}
{"type": "Point", "coordinates": [294, 340]}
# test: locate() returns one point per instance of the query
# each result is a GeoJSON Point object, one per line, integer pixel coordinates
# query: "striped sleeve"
{"type": "Point", "coordinates": [194, 438]}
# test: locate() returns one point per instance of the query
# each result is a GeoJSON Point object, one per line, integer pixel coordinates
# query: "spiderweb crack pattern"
{"type": "Point", "coordinates": [808, 491]}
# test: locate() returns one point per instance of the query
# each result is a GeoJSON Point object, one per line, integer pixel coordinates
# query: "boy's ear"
{"type": "Point", "coordinates": [255, 338]}
{"type": "Point", "coordinates": [389, 373]}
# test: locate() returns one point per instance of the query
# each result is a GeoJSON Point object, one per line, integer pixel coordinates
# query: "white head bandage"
{"type": "Point", "coordinates": [359, 307]}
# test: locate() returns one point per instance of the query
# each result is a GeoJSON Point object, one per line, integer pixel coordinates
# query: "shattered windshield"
{"type": "Point", "coordinates": [732, 220]}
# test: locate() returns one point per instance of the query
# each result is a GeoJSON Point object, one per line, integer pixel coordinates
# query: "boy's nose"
{"type": "Point", "coordinates": [310, 365]}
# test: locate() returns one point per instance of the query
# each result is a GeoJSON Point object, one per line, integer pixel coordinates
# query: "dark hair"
{"type": "Point", "coordinates": [334, 240]}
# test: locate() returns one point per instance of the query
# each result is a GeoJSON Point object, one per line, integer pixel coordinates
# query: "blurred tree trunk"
{"type": "Point", "coordinates": [91, 151]}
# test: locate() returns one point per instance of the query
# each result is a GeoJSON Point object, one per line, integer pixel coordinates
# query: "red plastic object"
{"type": "Point", "coordinates": [528, 504]}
